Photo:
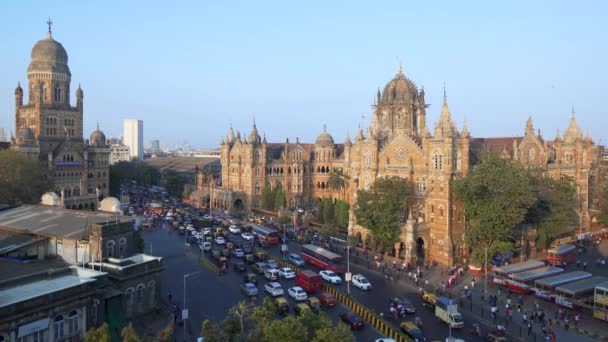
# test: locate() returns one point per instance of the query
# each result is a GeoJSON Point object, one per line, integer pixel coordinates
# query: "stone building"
{"type": "Point", "coordinates": [50, 129]}
{"type": "Point", "coordinates": [61, 264]}
{"type": "Point", "coordinates": [398, 142]}
{"type": "Point", "coordinates": [119, 152]}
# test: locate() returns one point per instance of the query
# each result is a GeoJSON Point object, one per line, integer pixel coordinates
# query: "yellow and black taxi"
{"type": "Point", "coordinates": [412, 330]}
{"type": "Point", "coordinates": [250, 278]}
{"type": "Point", "coordinates": [429, 299]}
{"type": "Point", "coordinates": [300, 308]}
{"type": "Point", "coordinates": [282, 305]}
{"type": "Point", "coordinates": [314, 303]}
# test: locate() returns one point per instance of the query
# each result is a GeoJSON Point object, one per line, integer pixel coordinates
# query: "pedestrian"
{"type": "Point", "coordinates": [585, 265]}
{"type": "Point", "coordinates": [473, 283]}
{"type": "Point", "coordinates": [578, 263]}
{"type": "Point", "coordinates": [524, 318]}
{"type": "Point", "coordinates": [529, 328]}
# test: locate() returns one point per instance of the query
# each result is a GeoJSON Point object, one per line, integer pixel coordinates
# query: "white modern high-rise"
{"type": "Point", "coordinates": [133, 136]}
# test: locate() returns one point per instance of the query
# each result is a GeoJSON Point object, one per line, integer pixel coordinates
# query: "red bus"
{"type": "Point", "coordinates": [520, 282]}
{"type": "Point", "coordinates": [264, 233]}
{"type": "Point", "coordinates": [562, 255]}
{"type": "Point", "coordinates": [322, 258]}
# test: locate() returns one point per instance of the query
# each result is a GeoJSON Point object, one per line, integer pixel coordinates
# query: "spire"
{"type": "Point", "coordinates": [50, 23]}
{"type": "Point", "coordinates": [324, 128]}
{"type": "Point", "coordinates": [222, 142]}
{"type": "Point", "coordinates": [588, 136]}
{"type": "Point", "coordinates": [378, 96]}
{"type": "Point", "coordinates": [573, 132]}
{"type": "Point", "coordinates": [465, 129]}
{"type": "Point", "coordinates": [347, 141]}
{"type": "Point", "coordinates": [558, 136]}
{"type": "Point", "coordinates": [445, 126]}
{"type": "Point", "coordinates": [399, 66]}
{"type": "Point", "coordinates": [359, 135]}
{"type": "Point", "coordinates": [529, 126]}
{"type": "Point", "coordinates": [264, 139]}
{"type": "Point", "coordinates": [98, 126]}
{"type": "Point", "coordinates": [230, 138]}
{"type": "Point", "coordinates": [254, 137]}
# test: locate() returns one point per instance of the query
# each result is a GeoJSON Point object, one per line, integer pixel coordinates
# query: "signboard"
{"type": "Point", "coordinates": [283, 248]}
{"type": "Point", "coordinates": [66, 163]}
{"type": "Point", "coordinates": [564, 302]}
{"type": "Point", "coordinates": [184, 314]}
{"type": "Point", "coordinates": [348, 276]}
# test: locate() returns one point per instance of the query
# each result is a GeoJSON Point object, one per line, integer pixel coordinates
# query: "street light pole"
{"type": "Point", "coordinates": [185, 277]}
{"type": "Point", "coordinates": [485, 271]}
{"type": "Point", "coordinates": [347, 269]}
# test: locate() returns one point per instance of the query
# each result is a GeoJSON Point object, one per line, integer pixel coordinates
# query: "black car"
{"type": "Point", "coordinates": [259, 267]}
{"type": "Point", "coordinates": [405, 304]}
{"type": "Point", "coordinates": [239, 267]}
{"type": "Point", "coordinates": [351, 319]}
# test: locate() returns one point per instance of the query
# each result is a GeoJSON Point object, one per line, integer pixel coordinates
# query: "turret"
{"type": "Point", "coordinates": [445, 127]}
{"type": "Point", "coordinates": [18, 96]}
{"type": "Point", "coordinates": [79, 99]}
{"type": "Point", "coordinates": [465, 130]}
{"type": "Point", "coordinates": [230, 137]}
{"type": "Point", "coordinates": [529, 126]}
{"type": "Point", "coordinates": [254, 137]}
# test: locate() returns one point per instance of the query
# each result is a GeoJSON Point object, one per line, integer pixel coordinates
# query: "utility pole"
{"type": "Point", "coordinates": [347, 276]}
{"type": "Point", "coordinates": [185, 313]}
{"type": "Point", "coordinates": [485, 271]}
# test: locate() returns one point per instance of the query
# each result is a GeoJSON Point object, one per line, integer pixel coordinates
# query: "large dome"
{"type": "Point", "coordinates": [48, 55]}
{"type": "Point", "coordinates": [324, 139]}
{"type": "Point", "coordinates": [400, 89]}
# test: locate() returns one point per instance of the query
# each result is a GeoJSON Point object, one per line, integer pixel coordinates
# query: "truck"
{"type": "Point", "coordinates": [309, 281]}
{"type": "Point", "coordinates": [448, 312]}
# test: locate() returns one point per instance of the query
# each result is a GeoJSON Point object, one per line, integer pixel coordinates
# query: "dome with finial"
{"type": "Point", "coordinates": [98, 139]}
{"type": "Point", "coordinates": [48, 55]}
{"type": "Point", "coordinates": [324, 139]}
{"type": "Point", "coordinates": [25, 135]}
{"type": "Point", "coordinates": [399, 89]}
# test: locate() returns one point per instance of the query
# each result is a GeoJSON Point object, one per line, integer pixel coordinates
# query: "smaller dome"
{"type": "Point", "coordinates": [98, 139]}
{"type": "Point", "coordinates": [111, 205]}
{"type": "Point", "coordinates": [25, 134]}
{"type": "Point", "coordinates": [324, 139]}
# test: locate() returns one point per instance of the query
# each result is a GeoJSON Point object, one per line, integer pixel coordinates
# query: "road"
{"type": "Point", "coordinates": [210, 296]}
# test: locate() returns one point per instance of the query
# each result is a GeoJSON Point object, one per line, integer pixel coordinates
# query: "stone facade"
{"type": "Point", "coordinates": [50, 129]}
{"type": "Point", "coordinates": [398, 143]}
{"type": "Point", "coordinates": [119, 152]}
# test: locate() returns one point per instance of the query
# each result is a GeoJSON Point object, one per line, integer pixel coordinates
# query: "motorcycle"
{"type": "Point", "coordinates": [418, 322]}
{"type": "Point", "coordinates": [476, 329]}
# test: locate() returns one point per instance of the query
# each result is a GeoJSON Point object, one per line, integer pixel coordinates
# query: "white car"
{"type": "Point", "coordinates": [274, 289]}
{"type": "Point", "coordinates": [361, 282]}
{"type": "Point", "coordinates": [297, 293]}
{"type": "Point", "coordinates": [234, 229]}
{"type": "Point", "coordinates": [220, 240]}
{"type": "Point", "coordinates": [247, 236]}
{"type": "Point", "coordinates": [330, 276]}
{"type": "Point", "coordinates": [286, 273]}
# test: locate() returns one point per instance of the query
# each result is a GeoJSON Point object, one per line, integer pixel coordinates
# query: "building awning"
{"type": "Point", "coordinates": [31, 328]}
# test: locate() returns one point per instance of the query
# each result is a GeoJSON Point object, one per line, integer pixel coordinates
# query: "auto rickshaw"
{"type": "Point", "coordinates": [282, 305]}
{"type": "Point", "coordinates": [261, 256]}
{"type": "Point", "coordinates": [226, 252]}
{"type": "Point", "coordinates": [314, 303]}
{"type": "Point", "coordinates": [230, 245]}
{"type": "Point", "coordinates": [249, 259]}
{"type": "Point", "coordinates": [251, 278]}
{"type": "Point", "coordinates": [300, 308]}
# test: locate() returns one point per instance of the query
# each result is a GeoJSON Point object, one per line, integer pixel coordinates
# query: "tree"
{"type": "Point", "coordinates": [166, 335]}
{"type": "Point", "coordinates": [211, 332]}
{"type": "Point", "coordinates": [129, 334]}
{"type": "Point", "coordinates": [314, 322]}
{"type": "Point", "coordinates": [22, 180]}
{"type": "Point", "coordinates": [382, 208]}
{"type": "Point", "coordinates": [100, 334]}
{"type": "Point", "coordinates": [268, 198]}
{"type": "Point", "coordinates": [340, 333]}
{"type": "Point", "coordinates": [288, 329]}
{"type": "Point", "coordinates": [338, 181]}
{"type": "Point", "coordinates": [496, 196]}
{"type": "Point", "coordinates": [553, 211]}
{"type": "Point", "coordinates": [174, 182]}
{"type": "Point", "coordinates": [138, 240]}
{"type": "Point", "coordinates": [242, 312]}
{"type": "Point", "coordinates": [137, 171]}
{"type": "Point", "coordinates": [279, 200]}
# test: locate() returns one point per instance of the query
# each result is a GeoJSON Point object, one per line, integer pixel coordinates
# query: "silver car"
{"type": "Point", "coordinates": [249, 289]}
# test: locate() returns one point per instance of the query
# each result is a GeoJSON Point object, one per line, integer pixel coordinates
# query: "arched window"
{"type": "Point", "coordinates": [58, 332]}
{"type": "Point", "coordinates": [151, 293]}
{"type": "Point", "coordinates": [110, 248]}
{"type": "Point", "coordinates": [257, 188]}
{"type": "Point", "coordinates": [437, 161]}
{"type": "Point", "coordinates": [140, 294]}
{"type": "Point", "coordinates": [129, 296]}
{"type": "Point", "coordinates": [440, 211]}
{"type": "Point", "coordinates": [122, 248]}
{"type": "Point", "coordinates": [73, 323]}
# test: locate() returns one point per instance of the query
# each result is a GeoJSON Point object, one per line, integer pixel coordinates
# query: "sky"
{"type": "Point", "coordinates": [191, 69]}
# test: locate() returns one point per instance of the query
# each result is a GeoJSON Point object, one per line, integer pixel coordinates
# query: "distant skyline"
{"type": "Point", "coordinates": [191, 69]}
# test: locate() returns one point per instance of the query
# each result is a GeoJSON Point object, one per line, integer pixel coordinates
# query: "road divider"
{"type": "Point", "coordinates": [203, 260]}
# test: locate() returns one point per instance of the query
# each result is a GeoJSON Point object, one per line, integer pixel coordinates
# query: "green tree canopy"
{"type": "Point", "coordinates": [314, 322]}
{"type": "Point", "coordinates": [129, 334]}
{"type": "Point", "coordinates": [340, 333]}
{"type": "Point", "coordinates": [338, 181]}
{"type": "Point", "coordinates": [288, 329]}
{"type": "Point", "coordinates": [22, 180]}
{"type": "Point", "coordinates": [496, 196]}
{"type": "Point", "coordinates": [382, 208]}
{"type": "Point", "coordinates": [212, 332]}
{"type": "Point", "coordinates": [100, 334]}
{"type": "Point", "coordinates": [174, 182]}
{"type": "Point", "coordinates": [553, 211]}
{"type": "Point", "coordinates": [138, 171]}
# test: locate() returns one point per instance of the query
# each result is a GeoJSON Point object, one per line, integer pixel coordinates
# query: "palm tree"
{"type": "Point", "coordinates": [338, 181]}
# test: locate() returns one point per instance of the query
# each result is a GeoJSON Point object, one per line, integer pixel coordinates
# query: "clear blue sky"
{"type": "Point", "coordinates": [189, 69]}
